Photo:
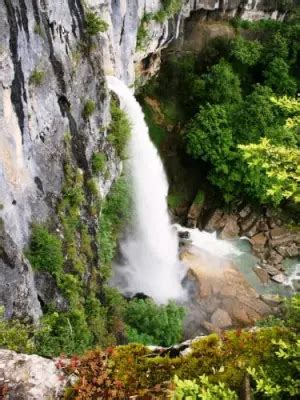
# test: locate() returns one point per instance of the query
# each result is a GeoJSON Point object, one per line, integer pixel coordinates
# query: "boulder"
{"type": "Point", "coordinates": [275, 258]}
{"type": "Point", "coordinates": [195, 210]}
{"type": "Point", "coordinates": [259, 239]}
{"type": "Point", "coordinates": [231, 229]}
{"type": "Point", "coordinates": [30, 377]}
{"type": "Point", "coordinates": [271, 270]}
{"type": "Point", "coordinates": [216, 222]}
{"type": "Point", "coordinates": [221, 319]}
{"type": "Point", "coordinates": [262, 274]}
{"type": "Point", "coordinates": [279, 278]}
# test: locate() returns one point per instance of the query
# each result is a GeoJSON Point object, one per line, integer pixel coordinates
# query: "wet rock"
{"type": "Point", "coordinates": [288, 251]}
{"type": "Point", "coordinates": [262, 274]}
{"type": "Point", "coordinates": [221, 319]}
{"type": "Point", "coordinates": [275, 258]}
{"type": "Point", "coordinates": [279, 278]}
{"type": "Point", "coordinates": [249, 224]}
{"type": "Point", "coordinates": [259, 240]}
{"type": "Point", "coordinates": [184, 235]}
{"type": "Point", "coordinates": [216, 222]}
{"type": "Point", "coordinates": [231, 228]}
{"type": "Point", "coordinates": [30, 377]}
{"type": "Point", "coordinates": [195, 210]}
{"type": "Point", "coordinates": [271, 270]}
{"type": "Point", "coordinates": [245, 212]}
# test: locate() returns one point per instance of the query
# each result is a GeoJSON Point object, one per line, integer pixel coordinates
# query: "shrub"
{"type": "Point", "coordinates": [88, 109]}
{"type": "Point", "coordinates": [119, 130]}
{"type": "Point", "coordinates": [202, 390]}
{"type": "Point", "coordinates": [278, 78]}
{"type": "Point", "coordinates": [37, 77]}
{"type": "Point", "coordinates": [94, 24]}
{"type": "Point", "coordinates": [98, 162]}
{"type": "Point", "coordinates": [45, 250]}
{"type": "Point", "coordinates": [142, 33]}
{"type": "Point", "coordinates": [66, 333]}
{"type": "Point", "coordinates": [169, 8]}
{"type": "Point", "coordinates": [150, 323]}
{"type": "Point", "coordinates": [248, 52]}
{"type": "Point", "coordinates": [115, 213]}
{"type": "Point", "coordinates": [15, 335]}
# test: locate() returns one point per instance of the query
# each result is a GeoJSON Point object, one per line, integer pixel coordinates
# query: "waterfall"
{"type": "Point", "coordinates": [150, 251]}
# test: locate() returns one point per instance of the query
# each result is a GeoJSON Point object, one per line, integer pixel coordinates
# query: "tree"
{"type": "Point", "coordinates": [277, 77]}
{"type": "Point", "coordinates": [256, 115]}
{"type": "Point", "coordinates": [222, 85]}
{"type": "Point", "coordinates": [273, 171]}
{"type": "Point", "coordinates": [276, 47]}
{"type": "Point", "coordinates": [149, 323]}
{"type": "Point", "coordinates": [209, 136]}
{"type": "Point", "coordinates": [248, 52]}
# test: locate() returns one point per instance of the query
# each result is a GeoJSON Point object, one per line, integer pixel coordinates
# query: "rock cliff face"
{"type": "Point", "coordinates": [46, 78]}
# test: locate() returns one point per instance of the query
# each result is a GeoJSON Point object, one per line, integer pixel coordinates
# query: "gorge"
{"type": "Point", "coordinates": [132, 239]}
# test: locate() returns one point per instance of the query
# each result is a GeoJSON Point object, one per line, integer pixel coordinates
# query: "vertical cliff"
{"type": "Point", "coordinates": [51, 69]}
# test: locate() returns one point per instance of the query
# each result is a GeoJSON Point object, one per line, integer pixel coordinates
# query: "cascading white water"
{"type": "Point", "coordinates": [151, 251]}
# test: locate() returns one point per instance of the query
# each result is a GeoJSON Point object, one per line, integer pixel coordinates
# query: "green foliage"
{"type": "Point", "coordinates": [88, 109]}
{"type": "Point", "coordinates": [257, 115]}
{"type": "Point", "coordinates": [285, 384]}
{"type": "Point", "coordinates": [142, 37]}
{"type": "Point", "coordinates": [209, 136]}
{"type": "Point", "coordinates": [278, 78]}
{"type": "Point", "coordinates": [66, 333]}
{"type": "Point", "coordinates": [203, 390]}
{"type": "Point", "coordinates": [222, 84]}
{"type": "Point", "coordinates": [94, 24]}
{"type": "Point", "coordinates": [169, 8]}
{"type": "Point", "coordinates": [98, 163]}
{"type": "Point", "coordinates": [176, 199]}
{"type": "Point", "coordinates": [45, 250]}
{"type": "Point", "coordinates": [115, 212]}
{"type": "Point", "coordinates": [119, 130]}
{"type": "Point", "coordinates": [200, 197]}
{"type": "Point", "coordinates": [150, 323]}
{"type": "Point", "coordinates": [37, 77]}
{"type": "Point", "coordinates": [15, 335]}
{"type": "Point", "coordinates": [273, 171]}
{"type": "Point", "coordinates": [248, 52]}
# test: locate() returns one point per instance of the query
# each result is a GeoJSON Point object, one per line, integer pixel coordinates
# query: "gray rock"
{"type": "Point", "coordinates": [271, 270]}
{"type": "Point", "coordinates": [30, 377]}
{"type": "Point", "coordinates": [279, 278]}
{"type": "Point", "coordinates": [221, 319]}
{"type": "Point", "coordinates": [275, 258]}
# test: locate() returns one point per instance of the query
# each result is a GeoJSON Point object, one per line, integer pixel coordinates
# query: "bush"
{"type": "Point", "coordinates": [66, 333]}
{"type": "Point", "coordinates": [37, 77]}
{"type": "Point", "coordinates": [45, 251]}
{"type": "Point", "coordinates": [88, 109]}
{"type": "Point", "coordinates": [169, 8]}
{"type": "Point", "coordinates": [248, 52]}
{"type": "Point", "coordinates": [119, 130]}
{"type": "Point", "coordinates": [150, 323]}
{"type": "Point", "coordinates": [273, 171]}
{"type": "Point", "coordinates": [115, 213]}
{"type": "Point", "coordinates": [98, 163]}
{"type": "Point", "coordinates": [15, 335]}
{"type": "Point", "coordinates": [202, 390]}
{"type": "Point", "coordinates": [278, 78]}
{"type": "Point", "coordinates": [94, 24]}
